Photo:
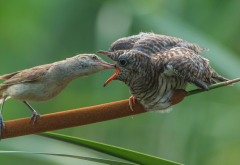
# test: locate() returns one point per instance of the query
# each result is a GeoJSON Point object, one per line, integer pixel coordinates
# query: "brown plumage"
{"type": "Point", "coordinates": [45, 82]}
{"type": "Point", "coordinates": [153, 66]}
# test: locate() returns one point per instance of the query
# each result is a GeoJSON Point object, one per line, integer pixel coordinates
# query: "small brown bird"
{"type": "Point", "coordinates": [155, 66]}
{"type": "Point", "coordinates": [44, 82]}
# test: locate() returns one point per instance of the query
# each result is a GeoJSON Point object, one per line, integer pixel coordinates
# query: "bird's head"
{"type": "Point", "coordinates": [88, 64]}
{"type": "Point", "coordinates": [129, 65]}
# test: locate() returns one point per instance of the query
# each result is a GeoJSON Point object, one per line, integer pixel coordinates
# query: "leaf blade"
{"type": "Point", "coordinates": [132, 156]}
{"type": "Point", "coordinates": [98, 160]}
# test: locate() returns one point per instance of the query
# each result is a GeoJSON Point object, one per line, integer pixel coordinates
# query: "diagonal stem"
{"type": "Point", "coordinates": [83, 116]}
{"type": "Point", "coordinates": [213, 86]}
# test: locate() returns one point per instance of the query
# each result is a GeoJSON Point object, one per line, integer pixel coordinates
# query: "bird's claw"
{"type": "Point", "coordinates": [132, 100]}
{"type": "Point", "coordinates": [35, 115]}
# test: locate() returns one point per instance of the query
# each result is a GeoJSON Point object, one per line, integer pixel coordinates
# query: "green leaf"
{"type": "Point", "coordinates": [133, 156]}
{"type": "Point", "coordinates": [98, 160]}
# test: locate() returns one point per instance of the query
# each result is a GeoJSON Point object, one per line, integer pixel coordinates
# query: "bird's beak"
{"type": "Point", "coordinates": [107, 65]}
{"type": "Point", "coordinates": [108, 54]}
{"type": "Point", "coordinates": [112, 77]}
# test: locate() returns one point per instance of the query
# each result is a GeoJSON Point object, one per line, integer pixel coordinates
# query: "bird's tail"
{"type": "Point", "coordinates": [218, 77]}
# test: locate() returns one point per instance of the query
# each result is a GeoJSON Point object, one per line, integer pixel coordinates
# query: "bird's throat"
{"type": "Point", "coordinates": [112, 77]}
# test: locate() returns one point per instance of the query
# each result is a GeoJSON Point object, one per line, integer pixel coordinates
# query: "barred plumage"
{"type": "Point", "coordinates": [155, 65]}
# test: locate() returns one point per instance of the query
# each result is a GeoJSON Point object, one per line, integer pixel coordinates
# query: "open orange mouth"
{"type": "Point", "coordinates": [117, 70]}
{"type": "Point", "coordinates": [112, 77]}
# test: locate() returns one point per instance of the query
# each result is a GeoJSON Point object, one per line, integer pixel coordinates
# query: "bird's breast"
{"type": "Point", "coordinates": [157, 96]}
{"type": "Point", "coordinates": [36, 91]}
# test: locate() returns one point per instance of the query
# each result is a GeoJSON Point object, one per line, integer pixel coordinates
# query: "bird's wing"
{"type": "Point", "coordinates": [190, 66]}
{"type": "Point", "coordinates": [31, 74]}
{"type": "Point", "coordinates": [8, 76]}
{"type": "Point", "coordinates": [125, 43]}
{"type": "Point", "coordinates": [152, 44]}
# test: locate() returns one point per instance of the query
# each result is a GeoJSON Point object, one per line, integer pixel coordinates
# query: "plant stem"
{"type": "Point", "coordinates": [213, 86]}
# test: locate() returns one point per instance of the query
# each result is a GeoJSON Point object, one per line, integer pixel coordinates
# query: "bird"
{"type": "Point", "coordinates": [43, 83]}
{"type": "Point", "coordinates": [155, 67]}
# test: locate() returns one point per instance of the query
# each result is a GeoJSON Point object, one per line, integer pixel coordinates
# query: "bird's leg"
{"type": "Point", "coordinates": [1, 119]}
{"type": "Point", "coordinates": [34, 113]}
{"type": "Point", "coordinates": [132, 101]}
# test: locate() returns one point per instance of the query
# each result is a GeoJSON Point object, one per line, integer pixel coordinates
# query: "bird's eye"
{"type": "Point", "coordinates": [94, 57]}
{"type": "Point", "coordinates": [123, 62]}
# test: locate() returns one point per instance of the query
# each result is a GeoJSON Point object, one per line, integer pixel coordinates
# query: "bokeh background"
{"type": "Point", "coordinates": [203, 129]}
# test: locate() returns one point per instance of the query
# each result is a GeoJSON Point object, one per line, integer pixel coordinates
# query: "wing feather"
{"type": "Point", "coordinates": [151, 44]}
{"type": "Point", "coordinates": [31, 74]}
{"type": "Point", "coordinates": [190, 66]}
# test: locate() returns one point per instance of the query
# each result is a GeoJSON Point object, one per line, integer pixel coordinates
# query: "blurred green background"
{"type": "Point", "coordinates": [203, 129]}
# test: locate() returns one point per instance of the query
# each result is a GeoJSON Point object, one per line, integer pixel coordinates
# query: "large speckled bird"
{"type": "Point", "coordinates": [154, 66]}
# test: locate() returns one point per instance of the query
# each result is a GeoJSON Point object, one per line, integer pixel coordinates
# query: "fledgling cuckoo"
{"type": "Point", "coordinates": [155, 66]}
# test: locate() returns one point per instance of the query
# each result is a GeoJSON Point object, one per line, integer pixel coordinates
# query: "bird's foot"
{"type": "Point", "coordinates": [35, 115]}
{"type": "Point", "coordinates": [132, 100]}
{"type": "Point", "coordinates": [1, 124]}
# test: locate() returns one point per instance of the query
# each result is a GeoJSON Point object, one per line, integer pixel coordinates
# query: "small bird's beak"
{"type": "Point", "coordinates": [105, 53]}
{"type": "Point", "coordinates": [107, 65]}
{"type": "Point", "coordinates": [117, 70]}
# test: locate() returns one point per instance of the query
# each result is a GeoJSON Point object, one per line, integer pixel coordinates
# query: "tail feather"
{"type": "Point", "coordinates": [203, 49]}
{"type": "Point", "coordinates": [213, 81]}
{"type": "Point", "coordinates": [218, 77]}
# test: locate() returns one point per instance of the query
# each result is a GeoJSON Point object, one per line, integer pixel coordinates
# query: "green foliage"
{"type": "Point", "coordinates": [103, 161]}
{"type": "Point", "coordinates": [199, 130]}
{"type": "Point", "coordinates": [122, 153]}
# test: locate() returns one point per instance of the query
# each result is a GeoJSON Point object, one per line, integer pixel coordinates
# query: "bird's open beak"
{"type": "Point", "coordinates": [112, 77]}
{"type": "Point", "coordinates": [117, 70]}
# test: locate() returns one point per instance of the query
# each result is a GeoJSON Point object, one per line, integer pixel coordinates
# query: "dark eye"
{"type": "Point", "coordinates": [123, 62]}
{"type": "Point", "coordinates": [94, 57]}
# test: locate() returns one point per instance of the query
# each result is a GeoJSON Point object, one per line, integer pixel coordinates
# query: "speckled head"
{"type": "Point", "coordinates": [129, 64]}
